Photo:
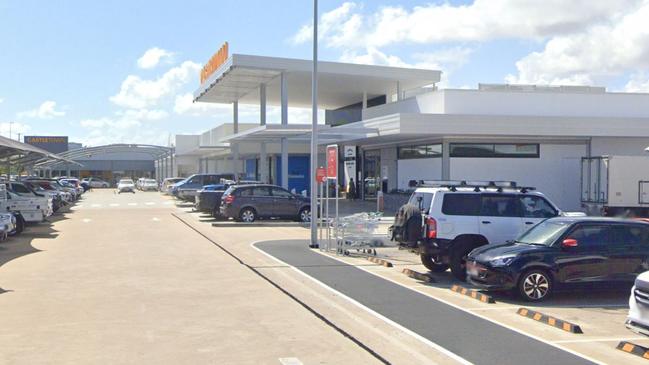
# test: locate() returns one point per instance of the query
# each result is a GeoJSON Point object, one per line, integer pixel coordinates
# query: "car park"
{"type": "Point", "coordinates": [561, 252]}
{"type": "Point", "coordinates": [208, 199]}
{"type": "Point", "coordinates": [186, 190]}
{"type": "Point", "coordinates": [451, 218]}
{"type": "Point", "coordinates": [148, 185]}
{"type": "Point", "coordinates": [125, 186]}
{"type": "Point", "coordinates": [168, 183]}
{"type": "Point", "coordinates": [247, 203]}
{"type": "Point", "coordinates": [96, 182]}
{"type": "Point", "coordinates": [55, 196]}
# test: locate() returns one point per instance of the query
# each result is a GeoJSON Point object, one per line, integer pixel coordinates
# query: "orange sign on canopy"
{"type": "Point", "coordinates": [215, 62]}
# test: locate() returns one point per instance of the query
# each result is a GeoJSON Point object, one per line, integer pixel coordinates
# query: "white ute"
{"type": "Point", "coordinates": [30, 208]}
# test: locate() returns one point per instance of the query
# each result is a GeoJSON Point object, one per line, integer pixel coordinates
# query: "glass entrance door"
{"type": "Point", "coordinates": [371, 173]}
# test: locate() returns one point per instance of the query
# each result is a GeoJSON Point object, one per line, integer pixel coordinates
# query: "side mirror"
{"type": "Point", "coordinates": [569, 242]}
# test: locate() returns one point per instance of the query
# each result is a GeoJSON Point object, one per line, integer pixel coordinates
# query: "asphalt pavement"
{"type": "Point", "coordinates": [473, 338]}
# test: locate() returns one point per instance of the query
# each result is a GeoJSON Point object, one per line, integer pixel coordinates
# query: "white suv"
{"type": "Point", "coordinates": [457, 217]}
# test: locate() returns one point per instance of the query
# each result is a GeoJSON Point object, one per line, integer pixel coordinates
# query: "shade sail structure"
{"type": "Point", "coordinates": [73, 156]}
{"type": "Point", "coordinates": [17, 152]}
{"type": "Point", "coordinates": [339, 84]}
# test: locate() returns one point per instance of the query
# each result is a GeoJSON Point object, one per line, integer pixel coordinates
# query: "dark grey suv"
{"type": "Point", "coordinates": [247, 203]}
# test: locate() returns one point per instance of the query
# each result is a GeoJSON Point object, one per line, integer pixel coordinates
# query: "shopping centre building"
{"type": "Point", "coordinates": [394, 125]}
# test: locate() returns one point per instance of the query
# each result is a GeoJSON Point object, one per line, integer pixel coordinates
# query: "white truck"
{"type": "Point", "coordinates": [615, 185]}
{"type": "Point", "coordinates": [27, 209]}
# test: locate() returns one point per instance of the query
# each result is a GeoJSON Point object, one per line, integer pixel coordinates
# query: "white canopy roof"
{"type": "Point", "coordinates": [339, 84]}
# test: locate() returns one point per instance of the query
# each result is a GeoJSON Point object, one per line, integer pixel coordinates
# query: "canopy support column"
{"type": "Point", "coordinates": [235, 145]}
{"type": "Point", "coordinates": [284, 140]}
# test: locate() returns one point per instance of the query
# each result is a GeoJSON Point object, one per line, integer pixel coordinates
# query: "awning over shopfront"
{"type": "Point", "coordinates": [339, 84]}
{"type": "Point", "coordinates": [298, 133]}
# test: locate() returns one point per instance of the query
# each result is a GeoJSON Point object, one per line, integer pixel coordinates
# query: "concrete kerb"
{"type": "Point", "coordinates": [258, 224]}
{"type": "Point", "coordinates": [551, 321]}
{"type": "Point", "coordinates": [473, 294]}
{"type": "Point", "coordinates": [419, 276]}
{"type": "Point", "coordinates": [634, 349]}
{"type": "Point", "coordinates": [380, 261]}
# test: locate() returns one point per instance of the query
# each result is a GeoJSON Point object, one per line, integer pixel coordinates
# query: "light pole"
{"type": "Point", "coordinates": [314, 131]}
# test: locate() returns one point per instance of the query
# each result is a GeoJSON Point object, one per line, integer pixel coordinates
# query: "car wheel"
{"type": "Point", "coordinates": [459, 252]}
{"type": "Point", "coordinates": [535, 285]}
{"type": "Point", "coordinates": [247, 215]}
{"type": "Point", "coordinates": [20, 226]}
{"type": "Point", "coordinates": [433, 263]}
{"type": "Point", "coordinates": [305, 215]}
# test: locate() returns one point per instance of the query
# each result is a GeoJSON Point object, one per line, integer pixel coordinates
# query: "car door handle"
{"type": "Point", "coordinates": [486, 222]}
{"type": "Point", "coordinates": [529, 222]}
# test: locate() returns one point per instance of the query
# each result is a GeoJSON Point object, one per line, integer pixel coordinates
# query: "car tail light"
{"type": "Point", "coordinates": [431, 228]}
{"type": "Point", "coordinates": [228, 199]}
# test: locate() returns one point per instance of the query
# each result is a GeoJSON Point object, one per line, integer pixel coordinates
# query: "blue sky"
{"type": "Point", "coordinates": [71, 67]}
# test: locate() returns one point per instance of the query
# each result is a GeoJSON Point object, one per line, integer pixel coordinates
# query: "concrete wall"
{"type": "Point", "coordinates": [418, 169]}
{"type": "Point", "coordinates": [538, 103]}
{"type": "Point", "coordinates": [619, 146]}
{"type": "Point", "coordinates": [556, 173]}
{"type": "Point", "coordinates": [389, 163]}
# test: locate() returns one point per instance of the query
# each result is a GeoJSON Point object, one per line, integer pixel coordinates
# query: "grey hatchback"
{"type": "Point", "coordinates": [247, 203]}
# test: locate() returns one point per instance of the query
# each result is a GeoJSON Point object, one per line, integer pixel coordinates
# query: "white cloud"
{"type": "Point", "coordinates": [347, 27]}
{"type": "Point", "coordinates": [639, 83]}
{"type": "Point", "coordinates": [46, 110]}
{"type": "Point", "coordinates": [153, 56]}
{"type": "Point", "coordinates": [15, 128]}
{"type": "Point", "coordinates": [602, 51]}
{"type": "Point", "coordinates": [138, 93]}
{"type": "Point", "coordinates": [2, 100]}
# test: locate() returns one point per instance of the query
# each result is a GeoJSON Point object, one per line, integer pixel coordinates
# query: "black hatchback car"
{"type": "Point", "coordinates": [247, 203]}
{"type": "Point", "coordinates": [562, 251]}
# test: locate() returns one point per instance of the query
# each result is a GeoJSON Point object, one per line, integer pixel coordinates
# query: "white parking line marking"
{"type": "Point", "coordinates": [155, 219]}
{"type": "Point", "coordinates": [290, 361]}
{"type": "Point", "coordinates": [96, 205]}
{"type": "Point", "coordinates": [421, 338]}
{"type": "Point", "coordinates": [616, 339]}
{"type": "Point", "coordinates": [132, 204]}
{"type": "Point", "coordinates": [114, 205]}
{"type": "Point", "coordinates": [557, 345]}
{"type": "Point", "coordinates": [86, 220]}
{"type": "Point", "coordinates": [149, 203]}
{"type": "Point", "coordinates": [168, 203]}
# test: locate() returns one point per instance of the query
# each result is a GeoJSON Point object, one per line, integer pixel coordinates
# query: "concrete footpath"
{"type": "Point", "coordinates": [121, 280]}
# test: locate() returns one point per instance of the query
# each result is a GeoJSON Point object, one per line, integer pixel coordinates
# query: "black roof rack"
{"type": "Point", "coordinates": [452, 185]}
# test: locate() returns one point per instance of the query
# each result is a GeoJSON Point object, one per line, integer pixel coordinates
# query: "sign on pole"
{"type": "Point", "coordinates": [332, 161]}
{"type": "Point", "coordinates": [321, 175]}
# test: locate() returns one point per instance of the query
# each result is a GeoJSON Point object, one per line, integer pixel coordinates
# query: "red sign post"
{"type": "Point", "coordinates": [332, 161]}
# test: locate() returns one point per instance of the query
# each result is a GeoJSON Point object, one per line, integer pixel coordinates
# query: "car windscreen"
{"type": "Point", "coordinates": [126, 181]}
{"type": "Point", "coordinates": [544, 233]}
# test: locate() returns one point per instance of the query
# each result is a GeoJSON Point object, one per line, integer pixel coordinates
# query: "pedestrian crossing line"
{"type": "Point", "coordinates": [114, 205]}
{"type": "Point", "coordinates": [132, 204]}
{"type": "Point", "coordinates": [149, 203]}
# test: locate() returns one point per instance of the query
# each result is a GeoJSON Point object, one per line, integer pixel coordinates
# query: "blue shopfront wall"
{"type": "Point", "coordinates": [251, 169]}
{"type": "Point", "coordinates": [298, 173]}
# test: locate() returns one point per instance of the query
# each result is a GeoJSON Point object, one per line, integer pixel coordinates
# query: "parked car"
{"type": "Point", "coordinates": [165, 186]}
{"type": "Point", "coordinates": [560, 252]}
{"type": "Point", "coordinates": [247, 203]}
{"type": "Point", "coordinates": [186, 190]}
{"type": "Point", "coordinates": [24, 190]}
{"type": "Point", "coordinates": [208, 199]}
{"type": "Point", "coordinates": [26, 209]}
{"type": "Point", "coordinates": [56, 196]}
{"type": "Point", "coordinates": [148, 184]}
{"type": "Point", "coordinates": [8, 225]}
{"type": "Point", "coordinates": [96, 182]}
{"type": "Point", "coordinates": [450, 219]}
{"type": "Point", "coordinates": [638, 318]}
{"type": "Point", "coordinates": [125, 186]}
